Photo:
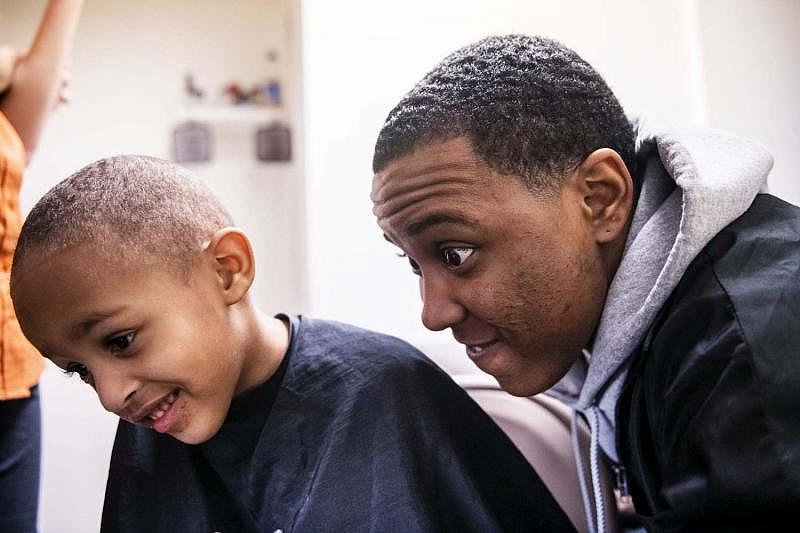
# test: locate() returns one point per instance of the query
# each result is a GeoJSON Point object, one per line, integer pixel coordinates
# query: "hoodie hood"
{"type": "Point", "coordinates": [694, 183]}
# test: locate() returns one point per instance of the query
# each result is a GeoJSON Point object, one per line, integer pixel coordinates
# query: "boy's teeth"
{"type": "Point", "coordinates": [162, 408]}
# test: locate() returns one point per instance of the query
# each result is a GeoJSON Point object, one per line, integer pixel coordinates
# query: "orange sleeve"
{"type": "Point", "coordinates": [20, 363]}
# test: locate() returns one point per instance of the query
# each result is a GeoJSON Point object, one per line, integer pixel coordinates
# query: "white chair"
{"type": "Point", "coordinates": [540, 427]}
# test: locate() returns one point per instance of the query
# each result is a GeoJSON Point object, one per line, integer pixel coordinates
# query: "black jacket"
{"type": "Point", "coordinates": [709, 418]}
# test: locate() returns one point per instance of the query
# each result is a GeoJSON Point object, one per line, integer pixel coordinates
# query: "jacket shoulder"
{"type": "Point", "coordinates": [708, 416]}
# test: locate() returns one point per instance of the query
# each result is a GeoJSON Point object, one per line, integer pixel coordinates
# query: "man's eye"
{"type": "Point", "coordinates": [121, 342]}
{"type": "Point", "coordinates": [414, 265]}
{"type": "Point", "coordinates": [79, 369]}
{"type": "Point", "coordinates": [455, 257]}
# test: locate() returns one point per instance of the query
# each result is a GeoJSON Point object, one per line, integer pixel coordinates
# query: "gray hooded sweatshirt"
{"type": "Point", "coordinates": [695, 182]}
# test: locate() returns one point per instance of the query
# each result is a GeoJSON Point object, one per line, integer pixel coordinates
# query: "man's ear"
{"type": "Point", "coordinates": [607, 190]}
{"type": "Point", "coordinates": [234, 263]}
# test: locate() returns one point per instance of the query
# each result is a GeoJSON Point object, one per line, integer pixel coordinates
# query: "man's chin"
{"type": "Point", "coordinates": [517, 387]}
{"type": "Point", "coordinates": [521, 383]}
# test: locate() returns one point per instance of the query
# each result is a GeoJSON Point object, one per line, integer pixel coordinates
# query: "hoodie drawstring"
{"type": "Point", "coordinates": [576, 451]}
{"type": "Point", "coordinates": [594, 468]}
{"type": "Point", "coordinates": [595, 517]}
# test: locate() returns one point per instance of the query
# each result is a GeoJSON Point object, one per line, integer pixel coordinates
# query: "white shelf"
{"type": "Point", "coordinates": [243, 113]}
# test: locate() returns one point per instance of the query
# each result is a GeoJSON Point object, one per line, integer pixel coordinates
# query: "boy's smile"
{"type": "Point", "coordinates": [157, 344]}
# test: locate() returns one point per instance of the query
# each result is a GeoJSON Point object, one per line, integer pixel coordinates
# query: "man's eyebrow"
{"type": "Point", "coordinates": [86, 324]}
{"type": "Point", "coordinates": [415, 228]}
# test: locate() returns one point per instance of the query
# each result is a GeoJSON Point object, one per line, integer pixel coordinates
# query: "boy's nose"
{"type": "Point", "coordinates": [440, 310]}
{"type": "Point", "coordinates": [114, 388]}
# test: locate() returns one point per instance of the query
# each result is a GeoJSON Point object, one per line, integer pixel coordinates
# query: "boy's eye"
{"type": "Point", "coordinates": [455, 257]}
{"type": "Point", "coordinates": [77, 368]}
{"type": "Point", "coordinates": [121, 342]}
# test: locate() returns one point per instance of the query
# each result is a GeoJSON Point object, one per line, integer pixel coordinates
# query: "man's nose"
{"type": "Point", "coordinates": [440, 308]}
{"type": "Point", "coordinates": [114, 387]}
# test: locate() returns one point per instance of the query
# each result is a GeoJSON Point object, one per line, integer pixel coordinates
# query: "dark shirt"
{"type": "Point", "coordinates": [357, 431]}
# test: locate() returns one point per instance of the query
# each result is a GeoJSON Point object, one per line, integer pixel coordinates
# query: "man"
{"type": "Point", "coordinates": [630, 270]}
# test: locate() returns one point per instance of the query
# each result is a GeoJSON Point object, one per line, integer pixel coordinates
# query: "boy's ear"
{"type": "Point", "coordinates": [234, 263]}
{"type": "Point", "coordinates": [607, 190]}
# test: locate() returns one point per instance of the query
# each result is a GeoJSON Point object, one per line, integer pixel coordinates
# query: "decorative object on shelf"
{"type": "Point", "coordinates": [236, 95]}
{"type": "Point", "coordinates": [273, 143]}
{"type": "Point", "coordinates": [192, 142]}
{"type": "Point", "coordinates": [272, 87]}
{"type": "Point", "coordinates": [191, 87]}
{"type": "Point", "coordinates": [266, 93]}
{"type": "Point", "coordinates": [271, 92]}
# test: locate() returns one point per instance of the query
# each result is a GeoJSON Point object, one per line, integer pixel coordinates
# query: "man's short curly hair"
{"type": "Point", "coordinates": [530, 106]}
{"type": "Point", "coordinates": [128, 208]}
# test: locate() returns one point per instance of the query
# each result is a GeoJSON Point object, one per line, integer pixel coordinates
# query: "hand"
{"type": "Point", "coordinates": [9, 57]}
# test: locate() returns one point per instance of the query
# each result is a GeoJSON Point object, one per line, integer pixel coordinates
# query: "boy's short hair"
{"type": "Point", "coordinates": [130, 208]}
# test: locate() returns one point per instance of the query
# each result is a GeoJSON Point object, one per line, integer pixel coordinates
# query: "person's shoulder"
{"type": "Point", "coordinates": [370, 353]}
{"type": "Point", "coordinates": [746, 281]}
{"type": "Point", "coordinates": [722, 355]}
{"type": "Point", "coordinates": [731, 319]}
{"type": "Point", "coordinates": [342, 365]}
{"type": "Point", "coordinates": [349, 338]}
{"type": "Point", "coordinates": [770, 226]}
{"type": "Point", "coordinates": [756, 262]}
{"type": "Point", "coordinates": [757, 251]}
{"type": "Point", "coordinates": [735, 306]}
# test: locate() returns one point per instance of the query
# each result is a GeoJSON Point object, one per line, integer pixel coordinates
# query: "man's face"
{"type": "Point", "coordinates": [516, 276]}
{"type": "Point", "coordinates": [154, 344]}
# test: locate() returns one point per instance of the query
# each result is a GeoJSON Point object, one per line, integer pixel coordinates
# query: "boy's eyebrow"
{"type": "Point", "coordinates": [85, 325]}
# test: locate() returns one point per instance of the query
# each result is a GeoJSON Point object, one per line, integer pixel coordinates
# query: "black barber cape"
{"type": "Point", "coordinates": [356, 432]}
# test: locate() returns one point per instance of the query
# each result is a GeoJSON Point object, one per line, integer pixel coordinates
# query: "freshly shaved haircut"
{"type": "Point", "coordinates": [128, 207]}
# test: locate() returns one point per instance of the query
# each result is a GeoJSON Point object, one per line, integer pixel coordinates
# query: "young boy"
{"type": "Point", "coordinates": [130, 275]}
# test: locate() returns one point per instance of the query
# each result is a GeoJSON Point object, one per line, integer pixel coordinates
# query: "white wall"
{"type": "Point", "coordinates": [719, 63]}
{"type": "Point", "coordinates": [751, 53]}
{"type": "Point", "coordinates": [362, 56]}
{"type": "Point", "coordinates": [127, 80]}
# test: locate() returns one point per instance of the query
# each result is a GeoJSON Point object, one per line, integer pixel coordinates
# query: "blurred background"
{"type": "Point", "coordinates": [276, 105]}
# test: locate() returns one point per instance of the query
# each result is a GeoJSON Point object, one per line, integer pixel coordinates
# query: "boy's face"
{"type": "Point", "coordinates": [157, 346]}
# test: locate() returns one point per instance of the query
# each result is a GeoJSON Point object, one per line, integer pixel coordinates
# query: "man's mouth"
{"type": "Point", "coordinates": [479, 349]}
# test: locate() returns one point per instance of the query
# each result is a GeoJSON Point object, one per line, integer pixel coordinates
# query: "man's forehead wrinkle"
{"type": "Point", "coordinates": [408, 201]}
{"type": "Point", "coordinates": [461, 177]}
{"type": "Point", "coordinates": [403, 174]}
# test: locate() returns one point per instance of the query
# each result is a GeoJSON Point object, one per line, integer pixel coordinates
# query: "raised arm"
{"type": "Point", "coordinates": [37, 78]}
